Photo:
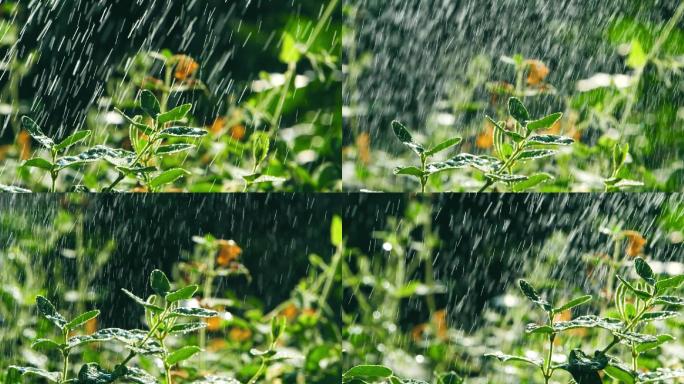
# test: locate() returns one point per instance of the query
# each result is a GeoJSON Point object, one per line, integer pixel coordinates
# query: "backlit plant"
{"type": "Point", "coordinates": [163, 310]}
{"type": "Point", "coordinates": [637, 304]}
{"type": "Point", "coordinates": [515, 142]}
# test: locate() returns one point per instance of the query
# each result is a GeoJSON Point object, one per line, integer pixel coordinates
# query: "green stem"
{"type": "Point", "coordinates": [65, 368]}
{"type": "Point", "coordinates": [256, 376]}
{"type": "Point", "coordinates": [135, 162]}
{"type": "Point", "coordinates": [206, 292]}
{"type": "Point", "coordinates": [423, 179]}
{"type": "Point", "coordinates": [330, 280]}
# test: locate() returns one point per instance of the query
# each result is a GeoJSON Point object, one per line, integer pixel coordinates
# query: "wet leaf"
{"type": "Point", "coordinates": [135, 121]}
{"type": "Point", "coordinates": [259, 178]}
{"type": "Point", "coordinates": [534, 154]}
{"type": "Point", "coordinates": [187, 328]}
{"type": "Point", "coordinates": [543, 123]}
{"type": "Point", "coordinates": [660, 340]}
{"type": "Point", "coordinates": [181, 294]}
{"type": "Point", "coordinates": [13, 189]}
{"type": "Point", "coordinates": [619, 371]}
{"type": "Point", "coordinates": [405, 137]}
{"type": "Point", "coordinates": [367, 371]}
{"type": "Point", "coordinates": [51, 376]}
{"type": "Point", "coordinates": [159, 282]}
{"type": "Point", "coordinates": [660, 375]}
{"type": "Point", "coordinates": [533, 296]}
{"type": "Point", "coordinates": [645, 271]}
{"type": "Point", "coordinates": [45, 345]}
{"type": "Point", "coordinates": [173, 148]}
{"type": "Point", "coordinates": [92, 373]}
{"type": "Point", "coordinates": [506, 358]}
{"type": "Point", "coordinates": [48, 311]}
{"type": "Point", "coordinates": [34, 130]}
{"type": "Point", "coordinates": [658, 315]}
{"type": "Point", "coordinates": [669, 283]}
{"type": "Point", "coordinates": [39, 163]}
{"type": "Point", "coordinates": [168, 177]}
{"type": "Point", "coordinates": [71, 140]}
{"type": "Point", "coordinates": [589, 321]}
{"type": "Point", "coordinates": [486, 164]}
{"type": "Point", "coordinates": [194, 312]}
{"type": "Point", "coordinates": [670, 300]}
{"type": "Point", "coordinates": [142, 302]}
{"type": "Point", "coordinates": [186, 132]}
{"type": "Point", "coordinates": [149, 103]}
{"type": "Point", "coordinates": [584, 369]}
{"type": "Point", "coordinates": [517, 110]}
{"type": "Point", "coordinates": [573, 303]}
{"type": "Point", "coordinates": [175, 114]}
{"type": "Point", "coordinates": [513, 135]}
{"type": "Point", "coordinates": [531, 182]}
{"type": "Point", "coordinates": [506, 178]}
{"type": "Point", "coordinates": [409, 171]}
{"type": "Point", "coordinates": [183, 353]}
{"type": "Point", "coordinates": [443, 145]}
{"type": "Point", "coordinates": [550, 140]}
{"type": "Point", "coordinates": [94, 154]}
{"type": "Point", "coordinates": [82, 319]}
{"type": "Point", "coordinates": [643, 295]}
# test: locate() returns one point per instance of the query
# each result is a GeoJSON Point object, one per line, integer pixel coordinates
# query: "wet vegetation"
{"type": "Point", "coordinates": [83, 317]}
{"type": "Point", "coordinates": [539, 302]}
{"type": "Point", "coordinates": [613, 69]}
{"type": "Point", "coordinates": [247, 101]}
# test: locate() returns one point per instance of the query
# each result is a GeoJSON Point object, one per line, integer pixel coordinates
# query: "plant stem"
{"type": "Point", "coordinates": [167, 368]}
{"type": "Point", "coordinates": [423, 179]}
{"type": "Point", "coordinates": [135, 162]}
{"type": "Point", "coordinates": [206, 293]}
{"type": "Point", "coordinates": [65, 368]}
{"type": "Point", "coordinates": [256, 376]}
{"type": "Point", "coordinates": [506, 165]}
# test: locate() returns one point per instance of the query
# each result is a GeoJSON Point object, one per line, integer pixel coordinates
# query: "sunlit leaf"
{"type": "Point", "coordinates": [71, 140]}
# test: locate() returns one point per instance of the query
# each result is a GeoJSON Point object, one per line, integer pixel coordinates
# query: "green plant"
{"type": "Point", "coordinates": [616, 182]}
{"type": "Point", "coordinates": [381, 374]}
{"type": "Point", "coordinates": [426, 169]}
{"type": "Point", "coordinates": [637, 304]}
{"type": "Point", "coordinates": [515, 142]}
{"type": "Point", "coordinates": [162, 312]}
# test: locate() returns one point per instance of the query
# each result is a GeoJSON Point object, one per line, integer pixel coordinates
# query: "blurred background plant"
{"type": "Point", "coordinates": [252, 71]}
{"type": "Point", "coordinates": [430, 316]}
{"type": "Point", "coordinates": [613, 69]}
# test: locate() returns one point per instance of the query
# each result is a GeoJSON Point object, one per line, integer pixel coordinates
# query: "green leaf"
{"type": "Point", "coordinates": [486, 164]}
{"type": "Point", "coordinates": [531, 182]}
{"type": "Point", "coordinates": [336, 231]}
{"type": "Point", "coordinates": [82, 319]}
{"type": "Point", "coordinates": [168, 177]}
{"type": "Point", "coordinates": [573, 303]}
{"type": "Point", "coordinates": [637, 57]}
{"type": "Point", "coordinates": [505, 178]}
{"type": "Point", "coordinates": [658, 315]}
{"type": "Point", "coordinates": [544, 122]}
{"type": "Point", "coordinates": [289, 50]}
{"type": "Point", "coordinates": [368, 371]}
{"type": "Point", "coordinates": [506, 358]}
{"type": "Point", "coordinates": [146, 129]}
{"type": "Point", "coordinates": [515, 136]}
{"type": "Point", "coordinates": [643, 295]}
{"type": "Point", "coordinates": [193, 312]}
{"type": "Point", "coordinates": [405, 137]}
{"type": "Point", "coordinates": [669, 283]}
{"type": "Point", "coordinates": [590, 321]}
{"type": "Point", "coordinates": [517, 110]}
{"type": "Point", "coordinates": [173, 148]}
{"type": "Point", "coordinates": [183, 353]}
{"type": "Point", "coordinates": [159, 282]}
{"type": "Point", "coordinates": [620, 153]}
{"type": "Point", "coordinates": [12, 189]}
{"type": "Point", "coordinates": [181, 294]}
{"type": "Point", "coordinates": [261, 143]}
{"type": "Point", "coordinates": [175, 114]}
{"type": "Point", "coordinates": [550, 140]}
{"type": "Point", "coordinates": [39, 163]}
{"type": "Point", "coordinates": [48, 311]}
{"type": "Point", "coordinates": [660, 375]}
{"type": "Point", "coordinates": [71, 140]}
{"type": "Point", "coordinates": [532, 294]}
{"type": "Point", "coordinates": [51, 376]}
{"type": "Point", "coordinates": [443, 145]}
{"type": "Point", "coordinates": [186, 132]}
{"type": "Point", "coordinates": [584, 369]}
{"type": "Point", "coordinates": [534, 329]}
{"type": "Point", "coordinates": [409, 171]}
{"type": "Point", "coordinates": [644, 271]}
{"type": "Point", "coordinates": [142, 302]}
{"type": "Point", "coordinates": [187, 327]}
{"type": "Point", "coordinates": [620, 372]}
{"type": "Point", "coordinates": [45, 345]}
{"type": "Point", "coordinates": [660, 340]}
{"type": "Point", "coordinates": [149, 103]}
{"type": "Point", "coordinates": [670, 300]}
{"type": "Point", "coordinates": [96, 153]}
{"type": "Point", "coordinates": [259, 178]}
{"type": "Point", "coordinates": [92, 373]}
{"type": "Point", "coordinates": [533, 154]}
{"type": "Point", "coordinates": [34, 130]}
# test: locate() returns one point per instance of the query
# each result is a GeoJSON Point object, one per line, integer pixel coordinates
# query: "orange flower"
{"type": "Point", "coordinates": [216, 345]}
{"type": "Point", "coordinates": [214, 323]}
{"type": "Point", "coordinates": [537, 72]}
{"type": "Point", "coordinates": [239, 334]}
{"type": "Point", "coordinates": [635, 244]}
{"type": "Point", "coordinates": [185, 67]}
{"type": "Point", "coordinates": [218, 125]}
{"type": "Point", "coordinates": [290, 312]}
{"type": "Point", "coordinates": [486, 139]}
{"type": "Point", "coordinates": [24, 141]}
{"type": "Point", "coordinates": [237, 132]}
{"type": "Point", "coordinates": [229, 251]}
{"type": "Point", "coordinates": [363, 146]}
{"type": "Point", "coordinates": [439, 321]}
{"type": "Point", "coordinates": [417, 332]}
